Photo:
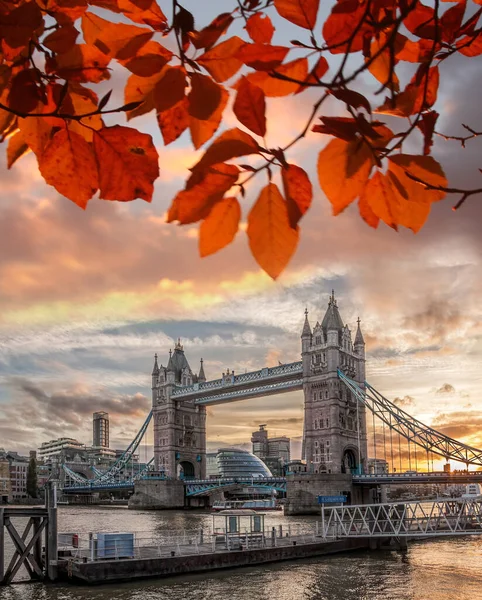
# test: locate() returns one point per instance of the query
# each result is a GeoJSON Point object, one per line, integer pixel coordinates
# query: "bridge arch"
{"type": "Point", "coordinates": [186, 468]}
{"type": "Point", "coordinates": [349, 461]}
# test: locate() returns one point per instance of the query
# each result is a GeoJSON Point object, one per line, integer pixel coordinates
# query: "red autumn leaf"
{"type": "Point", "coordinates": [260, 28]}
{"type": "Point", "coordinates": [426, 124]}
{"type": "Point", "coordinates": [25, 91]}
{"type": "Point", "coordinates": [298, 192]}
{"type": "Point", "coordinates": [68, 163]}
{"type": "Point", "coordinates": [383, 66]}
{"type": "Point", "coordinates": [203, 130]}
{"type": "Point", "coordinates": [315, 75]}
{"type": "Point", "coordinates": [174, 121]}
{"type": "Point", "coordinates": [129, 163]}
{"type": "Point", "coordinates": [342, 30]}
{"type": "Point", "coordinates": [82, 101]}
{"type": "Point", "coordinates": [300, 12]}
{"type": "Point", "coordinates": [141, 89]}
{"type": "Point", "coordinates": [204, 97]}
{"type": "Point", "coordinates": [220, 226]}
{"type": "Point", "coordinates": [170, 88]}
{"type": "Point", "coordinates": [17, 27]}
{"type": "Point", "coordinates": [364, 208]}
{"type": "Point", "coordinates": [470, 45]}
{"type": "Point", "coordinates": [62, 39]}
{"type": "Point", "coordinates": [145, 12]}
{"type": "Point", "coordinates": [262, 57]}
{"type": "Point", "coordinates": [451, 21]}
{"type": "Point", "coordinates": [221, 62]}
{"type": "Point", "coordinates": [344, 128]}
{"type": "Point", "coordinates": [201, 193]}
{"type": "Point", "coordinates": [114, 39]}
{"type": "Point", "coordinates": [208, 36]}
{"type": "Point", "coordinates": [420, 21]}
{"type": "Point", "coordinates": [230, 144]}
{"type": "Point", "coordinates": [271, 238]}
{"type": "Point", "coordinates": [420, 94]}
{"type": "Point", "coordinates": [343, 171]}
{"type": "Point", "coordinates": [250, 107]}
{"type": "Point", "coordinates": [17, 147]}
{"type": "Point", "coordinates": [352, 98]}
{"type": "Point", "coordinates": [149, 60]}
{"type": "Point", "coordinates": [425, 168]}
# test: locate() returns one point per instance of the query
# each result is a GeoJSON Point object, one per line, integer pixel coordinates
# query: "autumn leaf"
{"type": "Point", "coordinates": [129, 162]}
{"type": "Point", "coordinates": [208, 36]}
{"type": "Point", "coordinates": [146, 12]}
{"type": "Point", "coordinates": [300, 12]}
{"type": "Point", "coordinates": [204, 97]}
{"type": "Point", "coordinates": [298, 192]}
{"type": "Point", "coordinates": [342, 30]}
{"type": "Point", "coordinates": [114, 39]}
{"type": "Point", "coordinates": [364, 208]}
{"type": "Point", "coordinates": [260, 28]}
{"type": "Point", "coordinates": [82, 63]}
{"type": "Point", "coordinates": [68, 163]}
{"type": "Point", "coordinates": [420, 94]}
{"type": "Point", "coordinates": [272, 86]}
{"type": "Point", "coordinates": [170, 88]}
{"type": "Point", "coordinates": [17, 147]}
{"type": "Point", "coordinates": [382, 67]}
{"type": "Point", "coordinates": [343, 171]}
{"type": "Point", "coordinates": [174, 121]}
{"type": "Point", "coordinates": [141, 89]}
{"type": "Point", "coordinates": [426, 124]}
{"type": "Point", "coordinates": [271, 238]}
{"type": "Point", "coordinates": [220, 226]}
{"type": "Point", "coordinates": [25, 91]}
{"type": "Point", "coordinates": [230, 144]}
{"type": "Point", "coordinates": [424, 168]}
{"type": "Point", "coordinates": [149, 60]}
{"type": "Point", "coordinates": [17, 27]}
{"type": "Point", "coordinates": [84, 100]}
{"type": "Point", "coordinates": [315, 75]}
{"type": "Point", "coordinates": [262, 57]}
{"type": "Point", "coordinates": [202, 130]}
{"type": "Point", "coordinates": [250, 107]}
{"type": "Point", "coordinates": [62, 39]}
{"type": "Point", "coordinates": [221, 62]}
{"type": "Point", "coordinates": [203, 190]}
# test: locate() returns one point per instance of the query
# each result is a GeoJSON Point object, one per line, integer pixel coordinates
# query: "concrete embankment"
{"type": "Point", "coordinates": [110, 571]}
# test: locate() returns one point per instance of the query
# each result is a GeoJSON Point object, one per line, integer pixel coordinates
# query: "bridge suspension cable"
{"type": "Point", "coordinates": [410, 428]}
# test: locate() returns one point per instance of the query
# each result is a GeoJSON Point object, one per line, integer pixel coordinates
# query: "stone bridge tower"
{"type": "Point", "coordinates": [335, 434]}
{"type": "Point", "coordinates": [179, 426]}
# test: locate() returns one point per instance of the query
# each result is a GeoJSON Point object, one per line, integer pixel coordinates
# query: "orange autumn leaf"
{"type": "Point", "coordinates": [17, 147]}
{"type": "Point", "coordinates": [84, 101]}
{"type": "Point", "coordinates": [208, 36]}
{"type": "Point", "coordinates": [145, 12]}
{"type": "Point", "coordinates": [271, 238]}
{"type": "Point", "coordinates": [382, 67]}
{"type": "Point", "coordinates": [315, 75]}
{"type": "Point", "coordinates": [61, 39]}
{"type": "Point", "coordinates": [204, 97]}
{"type": "Point", "coordinates": [219, 228]}
{"type": "Point", "coordinates": [250, 107]}
{"type": "Point", "coordinates": [68, 163]}
{"type": "Point", "coordinates": [82, 63]}
{"type": "Point", "coordinates": [174, 121]}
{"type": "Point", "coordinates": [274, 87]}
{"type": "Point", "coordinates": [298, 192]}
{"type": "Point", "coordinates": [230, 144]}
{"type": "Point", "coordinates": [114, 39]}
{"type": "Point", "coordinates": [342, 30]}
{"type": "Point", "coordinates": [202, 192]}
{"type": "Point", "coordinates": [260, 28]}
{"type": "Point", "coordinates": [129, 162]}
{"type": "Point", "coordinates": [203, 130]}
{"type": "Point", "coordinates": [343, 171]}
{"type": "Point", "coordinates": [141, 89]}
{"type": "Point", "coordinates": [424, 168]}
{"type": "Point", "coordinates": [221, 62]}
{"type": "Point", "coordinates": [365, 210]}
{"type": "Point", "coordinates": [149, 60]}
{"type": "Point", "coordinates": [300, 12]}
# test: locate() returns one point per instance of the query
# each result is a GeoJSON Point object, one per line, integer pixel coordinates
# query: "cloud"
{"type": "Point", "coordinates": [404, 402]}
{"type": "Point", "coordinates": [446, 389]}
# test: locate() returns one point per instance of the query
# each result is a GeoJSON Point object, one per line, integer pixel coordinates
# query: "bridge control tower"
{"type": "Point", "coordinates": [179, 426]}
{"type": "Point", "coordinates": [335, 433]}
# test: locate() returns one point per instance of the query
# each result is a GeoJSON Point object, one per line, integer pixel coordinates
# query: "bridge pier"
{"type": "Point", "coordinates": [157, 494]}
{"type": "Point", "coordinates": [303, 489]}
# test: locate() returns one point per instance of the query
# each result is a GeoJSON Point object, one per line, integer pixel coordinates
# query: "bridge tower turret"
{"type": "Point", "coordinates": [334, 437]}
{"type": "Point", "coordinates": [179, 426]}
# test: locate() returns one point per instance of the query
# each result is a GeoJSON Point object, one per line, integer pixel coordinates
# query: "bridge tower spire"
{"type": "Point", "coordinates": [334, 435]}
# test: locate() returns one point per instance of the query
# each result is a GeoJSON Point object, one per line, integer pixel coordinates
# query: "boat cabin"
{"type": "Point", "coordinates": [238, 529]}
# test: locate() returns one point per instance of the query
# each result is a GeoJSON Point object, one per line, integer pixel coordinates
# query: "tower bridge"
{"type": "Point", "coordinates": [337, 399]}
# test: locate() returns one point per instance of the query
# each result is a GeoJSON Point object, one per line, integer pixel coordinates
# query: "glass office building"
{"type": "Point", "coordinates": [236, 463]}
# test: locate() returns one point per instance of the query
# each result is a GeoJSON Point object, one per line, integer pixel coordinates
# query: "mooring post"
{"type": "Point", "coordinates": [2, 545]}
{"type": "Point", "coordinates": [51, 546]}
{"type": "Point", "coordinates": [37, 548]}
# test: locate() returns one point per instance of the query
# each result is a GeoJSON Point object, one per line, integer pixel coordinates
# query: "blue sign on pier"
{"type": "Point", "coordinates": [331, 499]}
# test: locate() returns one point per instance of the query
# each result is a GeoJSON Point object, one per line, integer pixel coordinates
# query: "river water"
{"type": "Point", "coordinates": [443, 569]}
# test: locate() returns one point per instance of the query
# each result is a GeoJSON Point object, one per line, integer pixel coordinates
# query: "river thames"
{"type": "Point", "coordinates": [444, 569]}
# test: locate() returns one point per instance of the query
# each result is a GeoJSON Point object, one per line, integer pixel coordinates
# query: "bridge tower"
{"type": "Point", "coordinates": [179, 426]}
{"type": "Point", "coordinates": [335, 435]}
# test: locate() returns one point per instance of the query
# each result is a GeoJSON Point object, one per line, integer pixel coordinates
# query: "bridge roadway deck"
{"type": "Point", "coordinates": [409, 478]}
{"type": "Point", "coordinates": [232, 387]}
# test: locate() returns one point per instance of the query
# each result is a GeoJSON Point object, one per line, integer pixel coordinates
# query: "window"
{"type": "Point", "coordinates": [232, 524]}
{"type": "Point", "coordinates": [318, 340]}
{"type": "Point", "coordinates": [256, 523]}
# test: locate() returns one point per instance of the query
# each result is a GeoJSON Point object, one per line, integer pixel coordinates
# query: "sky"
{"type": "Point", "coordinates": [88, 297]}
